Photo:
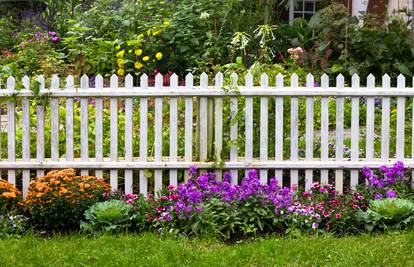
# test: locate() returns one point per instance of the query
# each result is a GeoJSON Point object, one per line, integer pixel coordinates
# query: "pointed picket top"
{"type": "Point", "coordinates": [143, 81]}
{"type": "Point", "coordinates": [234, 77]}
{"type": "Point", "coordinates": [189, 80]}
{"type": "Point", "coordinates": [218, 79]}
{"type": "Point", "coordinates": [264, 80]}
{"type": "Point", "coordinates": [204, 80]}
{"type": "Point", "coordinates": [54, 84]}
{"type": "Point", "coordinates": [98, 81]}
{"type": "Point", "coordinates": [11, 83]}
{"type": "Point", "coordinates": [248, 80]}
{"type": "Point", "coordinates": [113, 81]}
{"type": "Point", "coordinates": [310, 80]}
{"type": "Point", "coordinates": [325, 81]}
{"type": "Point", "coordinates": [340, 80]}
{"type": "Point", "coordinates": [386, 81]}
{"type": "Point", "coordinates": [159, 81]}
{"type": "Point", "coordinates": [371, 80]}
{"type": "Point", "coordinates": [401, 81]}
{"type": "Point", "coordinates": [84, 82]}
{"type": "Point", "coordinates": [129, 81]}
{"type": "Point", "coordinates": [41, 80]}
{"type": "Point", "coordinates": [279, 80]}
{"type": "Point", "coordinates": [26, 82]}
{"type": "Point", "coordinates": [70, 82]}
{"type": "Point", "coordinates": [294, 80]}
{"type": "Point", "coordinates": [355, 81]}
{"type": "Point", "coordinates": [174, 81]}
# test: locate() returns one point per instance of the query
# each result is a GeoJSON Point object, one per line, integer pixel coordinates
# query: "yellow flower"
{"type": "Point", "coordinates": [138, 52]}
{"type": "Point", "coordinates": [138, 65]}
{"type": "Point", "coordinates": [117, 47]}
{"type": "Point", "coordinates": [149, 32]}
{"type": "Point", "coordinates": [120, 53]}
{"type": "Point", "coordinates": [120, 72]}
{"type": "Point", "coordinates": [120, 61]}
{"type": "Point", "coordinates": [158, 55]}
{"type": "Point", "coordinates": [130, 51]}
{"type": "Point", "coordinates": [156, 33]}
{"type": "Point", "coordinates": [140, 36]}
{"type": "Point", "coordinates": [166, 23]}
{"type": "Point", "coordinates": [146, 58]}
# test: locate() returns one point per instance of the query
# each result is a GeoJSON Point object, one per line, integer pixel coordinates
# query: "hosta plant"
{"type": "Point", "coordinates": [389, 213]}
{"type": "Point", "coordinates": [109, 216]}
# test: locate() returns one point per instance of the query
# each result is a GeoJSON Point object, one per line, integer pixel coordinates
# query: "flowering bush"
{"type": "Point", "coordinates": [322, 208]}
{"type": "Point", "coordinates": [386, 182]}
{"type": "Point", "coordinates": [59, 199]}
{"type": "Point", "coordinates": [9, 197]}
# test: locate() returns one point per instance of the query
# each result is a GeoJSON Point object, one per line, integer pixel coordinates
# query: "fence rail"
{"type": "Point", "coordinates": [271, 128]}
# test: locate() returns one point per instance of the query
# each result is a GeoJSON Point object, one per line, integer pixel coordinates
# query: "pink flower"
{"type": "Point", "coordinates": [338, 215]}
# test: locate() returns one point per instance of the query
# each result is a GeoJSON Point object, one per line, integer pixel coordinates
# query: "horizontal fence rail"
{"type": "Point", "coordinates": [141, 137]}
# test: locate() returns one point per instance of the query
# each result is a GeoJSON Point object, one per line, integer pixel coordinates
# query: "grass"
{"type": "Point", "coordinates": [151, 250]}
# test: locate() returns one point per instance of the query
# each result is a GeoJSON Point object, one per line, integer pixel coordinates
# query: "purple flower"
{"type": "Point", "coordinates": [378, 196]}
{"type": "Point", "coordinates": [52, 34]}
{"type": "Point", "coordinates": [391, 194]}
{"type": "Point", "coordinates": [314, 225]}
{"type": "Point", "coordinates": [55, 39]}
{"type": "Point", "coordinates": [192, 170]}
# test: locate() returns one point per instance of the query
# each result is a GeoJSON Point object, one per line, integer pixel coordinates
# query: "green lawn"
{"type": "Point", "coordinates": [150, 250]}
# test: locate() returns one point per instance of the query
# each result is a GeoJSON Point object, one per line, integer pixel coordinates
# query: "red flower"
{"type": "Point", "coordinates": [338, 215]}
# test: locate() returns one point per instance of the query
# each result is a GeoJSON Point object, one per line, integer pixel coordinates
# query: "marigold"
{"type": "Point", "coordinates": [121, 72]}
{"type": "Point", "coordinates": [120, 53]}
{"type": "Point", "coordinates": [138, 52]}
{"type": "Point", "coordinates": [146, 58]}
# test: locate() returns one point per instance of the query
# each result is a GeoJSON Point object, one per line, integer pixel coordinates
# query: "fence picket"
{"type": "Point", "coordinates": [69, 120]}
{"type": "Point", "coordinates": [248, 146]}
{"type": "Point", "coordinates": [113, 109]}
{"type": "Point", "coordinates": [309, 132]}
{"type": "Point", "coordinates": [369, 150]}
{"type": "Point", "coordinates": [324, 128]}
{"type": "Point", "coordinates": [129, 84]}
{"type": "Point", "coordinates": [218, 123]}
{"type": "Point", "coordinates": [279, 128]}
{"type": "Point", "coordinates": [173, 129]}
{"type": "Point", "coordinates": [234, 128]}
{"type": "Point", "coordinates": [158, 133]}
{"type": "Point", "coordinates": [400, 119]}
{"type": "Point", "coordinates": [264, 117]}
{"type": "Point", "coordinates": [188, 146]}
{"type": "Point", "coordinates": [84, 124]}
{"type": "Point", "coordinates": [385, 121]}
{"type": "Point", "coordinates": [143, 135]}
{"type": "Point", "coordinates": [40, 129]}
{"type": "Point", "coordinates": [294, 131]}
{"type": "Point", "coordinates": [203, 118]}
{"type": "Point", "coordinates": [98, 126]}
{"type": "Point", "coordinates": [355, 131]}
{"type": "Point", "coordinates": [54, 120]}
{"type": "Point", "coordinates": [339, 152]}
{"type": "Point", "coordinates": [11, 132]}
{"type": "Point", "coordinates": [25, 135]}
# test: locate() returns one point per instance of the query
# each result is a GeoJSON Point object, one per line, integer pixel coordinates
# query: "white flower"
{"type": "Point", "coordinates": [204, 15]}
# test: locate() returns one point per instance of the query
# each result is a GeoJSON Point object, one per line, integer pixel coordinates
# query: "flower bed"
{"type": "Point", "coordinates": [207, 205]}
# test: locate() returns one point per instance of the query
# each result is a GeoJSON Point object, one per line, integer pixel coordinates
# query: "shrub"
{"type": "Point", "coordinates": [58, 200]}
{"type": "Point", "coordinates": [109, 216]}
{"type": "Point", "coordinates": [388, 213]}
{"type": "Point", "coordinates": [9, 197]}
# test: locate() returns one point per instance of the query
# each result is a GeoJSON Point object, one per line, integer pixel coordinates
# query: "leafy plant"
{"type": "Point", "coordinates": [389, 213]}
{"type": "Point", "coordinates": [13, 225]}
{"type": "Point", "coordinates": [10, 197]}
{"type": "Point", "coordinates": [108, 216]}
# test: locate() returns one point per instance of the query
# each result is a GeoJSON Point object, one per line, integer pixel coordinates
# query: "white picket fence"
{"type": "Point", "coordinates": [209, 99]}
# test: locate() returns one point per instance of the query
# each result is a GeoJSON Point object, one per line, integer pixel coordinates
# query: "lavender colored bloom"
{"type": "Point", "coordinates": [192, 170]}
{"type": "Point", "coordinates": [391, 194]}
{"type": "Point", "coordinates": [378, 196]}
{"type": "Point", "coordinates": [314, 225]}
{"type": "Point", "coordinates": [52, 34]}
